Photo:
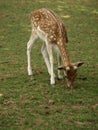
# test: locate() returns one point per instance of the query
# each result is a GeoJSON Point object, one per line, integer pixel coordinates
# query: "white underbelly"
{"type": "Point", "coordinates": [41, 34]}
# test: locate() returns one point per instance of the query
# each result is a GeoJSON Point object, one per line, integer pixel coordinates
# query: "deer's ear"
{"type": "Point", "coordinates": [61, 68]}
{"type": "Point", "coordinates": [78, 64]}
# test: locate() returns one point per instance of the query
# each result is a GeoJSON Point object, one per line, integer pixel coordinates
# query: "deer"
{"type": "Point", "coordinates": [49, 27]}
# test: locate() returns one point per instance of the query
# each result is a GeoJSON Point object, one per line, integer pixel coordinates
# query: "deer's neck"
{"type": "Point", "coordinates": [64, 54]}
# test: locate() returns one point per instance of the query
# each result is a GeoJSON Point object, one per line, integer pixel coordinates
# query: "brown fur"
{"type": "Point", "coordinates": [53, 26]}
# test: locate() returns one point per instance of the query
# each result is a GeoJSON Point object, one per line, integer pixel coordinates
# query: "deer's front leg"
{"type": "Point", "coordinates": [49, 49]}
{"type": "Point", "coordinates": [59, 64]}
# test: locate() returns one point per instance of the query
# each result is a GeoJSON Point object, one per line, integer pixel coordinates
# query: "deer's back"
{"type": "Point", "coordinates": [49, 23]}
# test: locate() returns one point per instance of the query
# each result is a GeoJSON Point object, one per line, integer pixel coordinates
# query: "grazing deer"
{"type": "Point", "coordinates": [47, 26]}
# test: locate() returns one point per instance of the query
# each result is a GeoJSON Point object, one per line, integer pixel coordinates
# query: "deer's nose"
{"type": "Point", "coordinates": [69, 84]}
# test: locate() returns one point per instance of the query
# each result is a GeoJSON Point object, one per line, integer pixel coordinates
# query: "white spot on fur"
{"type": "Point", "coordinates": [51, 37]}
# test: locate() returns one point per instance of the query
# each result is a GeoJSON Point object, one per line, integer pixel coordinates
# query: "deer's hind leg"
{"type": "Point", "coordinates": [30, 43]}
{"type": "Point", "coordinates": [46, 57]}
{"type": "Point", "coordinates": [50, 53]}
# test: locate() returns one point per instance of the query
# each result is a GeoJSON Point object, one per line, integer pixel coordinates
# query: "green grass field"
{"type": "Point", "coordinates": [33, 104]}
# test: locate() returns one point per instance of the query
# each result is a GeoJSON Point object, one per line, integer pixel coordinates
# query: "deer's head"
{"type": "Point", "coordinates": [71, 72]}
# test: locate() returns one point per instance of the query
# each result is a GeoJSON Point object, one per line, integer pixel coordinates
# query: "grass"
{"type": "Point", "coordinates": [32, 104]}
